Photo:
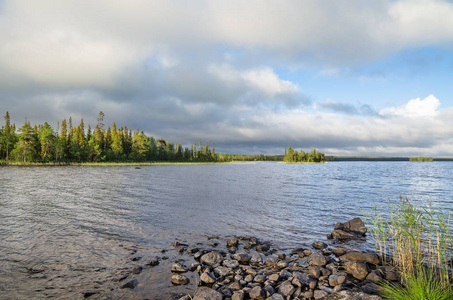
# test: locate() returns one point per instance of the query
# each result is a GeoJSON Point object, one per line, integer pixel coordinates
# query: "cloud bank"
{"type": "Point", "coordinates": [223, 71]}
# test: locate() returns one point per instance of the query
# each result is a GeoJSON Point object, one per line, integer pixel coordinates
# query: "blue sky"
{"type": "Point", "coordinates": [346, 77]}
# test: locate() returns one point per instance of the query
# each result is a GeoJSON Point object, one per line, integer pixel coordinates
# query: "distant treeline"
{"type": "Point", "coordinates": [69, 143]}
{"type": "Point", "coordinates": [378, 158]}
{"type": "Point", "coordinates": [421, 159]}
{"type": "Point", "coordinates": [256, 157]}
{"type": "Point", "coordinates": [293, 156]}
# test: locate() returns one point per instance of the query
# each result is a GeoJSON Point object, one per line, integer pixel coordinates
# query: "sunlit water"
{"type": "Point", "coordinates": [68, 230]}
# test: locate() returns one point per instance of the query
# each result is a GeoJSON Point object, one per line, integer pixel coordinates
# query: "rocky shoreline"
{"type": "Point", "coordinates": [246, 268]}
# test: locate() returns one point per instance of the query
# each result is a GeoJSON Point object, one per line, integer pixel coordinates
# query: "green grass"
{"type": "Point", "coordinates": [419, 243]}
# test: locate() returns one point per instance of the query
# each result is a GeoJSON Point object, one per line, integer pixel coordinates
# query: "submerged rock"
{"type": "Point", "coordinates": [179, 280]}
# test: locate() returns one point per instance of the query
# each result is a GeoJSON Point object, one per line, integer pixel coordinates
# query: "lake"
{"type": "Point", "coordinates": [67, 230]}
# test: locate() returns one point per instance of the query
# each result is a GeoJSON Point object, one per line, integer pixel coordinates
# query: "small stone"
{"type": "Point", "coordinates": [284, 274]}
{"type": "Point", "coordinates": [238, 295]}
{"type": "Point", "coordinates": [276, 297]}
{"type": "Point", "coordinates": [270, 261]}
{"type": "Point", "coordinates": [253, 241]}
{"type": "Point", "coordinates": [257, 293]}
{"type": "Point", "coordinates": [249, 278]}
{"type": "Point", "coordinates": [342, 235]}
{"type": "Point", "coordinates": [274, 277]}
{"type": "Point", "coordinates": [222, 271]}
{"type": "Point", "coordinates": [259, 279]}
{"type": "Point", "coordinates": [357, 269]}
{"type": "Point", "coordinates": [242, 257]}
{"type": "Point", "coordinates": [301, 279]}
{"type": "Point", "coordinates": [179, 279]}
{"type": "Point", "coordinates": [232, 243]}
{"type": "Point", "coordinates": [314, 272]}
{"type": "Point", "coordinates": [286, 289]}
{"type": "Point", "coordinates": [317, 259]}
{"type": "Point", "coordinates": [282, 264]}
{"type": "Point", "coordinates": [178, 244]}
{"type": "Point", "coordinates": [205, 293]}
{"type": "Point", "coordinates": [212, 258]}
{"type": "Point", "coordinates": [319, 245]}
{"type": "Point", "coordinates": [337, 252]}
{"type": "Point", "coordinates": [207, 278]}
{"type": "Point", "coordinates": [375, 276]}
{"type": "Point", "coordinates": [282, 256]}
{"type": "Point", "coordinates": [312, 284]}
{"type": "Point", "coordinates": [178, 268]}
{"type": "Point", "coordinates": [235, 286]}
{"type": "Point", "coordinates": [256, 259]}
{"type": "Point", "coordinates": [319, 294]}
{"type": "Point", "coordinates": [336, 279]}
{"type": "Point", "coordinates": [130, 285]}
{"type": "Point", "coordinates": [262, 248]}
{"type": "Point", "coordinates": [233, 264]}
{"type": "Point", "coordinates": [137, 270]}
{"type": "Point", "coordinates": [355, 225]}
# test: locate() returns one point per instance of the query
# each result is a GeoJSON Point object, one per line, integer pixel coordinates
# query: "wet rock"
{"type": "Point", "coordinates": [237, 295]}
{"type": "Point", "coordinates": [256, 259]}
{"type": "Point", "coordinates": [259, 279]}
{"type": "Point", "coordinates": [286, 289]}
{"type": "Point", "coordinates": [262, 248]}
{"type": "Point", "coordinates": [222, 271]}
{"type": "Point", "coordinates": [178, 268]}
{"type": "Point", "coordinates": [88, 294]}
{"type": "Point", "coordinates": [282, 256]}
{"type": "Point", "coordinates": [178, 244]}
{"type": "Point", "coordinates": [317, 259]}
{"type": "Point", "coordinates": [361, 256]}
{"type": "Point", "coordinates": [319, 245]}
{"type": "Point", "coordinates": [319, 294]}
{"type": "Point", "coordinates": [137, 270]}
{"type": "Point", "coordinates": [357, 269]}
{"type": "Point", "coordinates": [207, 277]}
{"type": "Point", "coordinates": [179, 279]}
{"type": "Point", "coordinates": [205, 293]}
{"type": "Point", "coordinates": [212, 258]}
{"type": "Point", "coordinates": [342, 235]}
{"type": "Point", "coordinates": [136, 258]}
{"type": "Point", "coordinates": [130, 284]}
{"type": "Point", "coordinates": [337, 279]}
{"type": "Point", "coordinates": [233, 264]}
{"type": "Point", "coordinates": [232, 243]}
{"type": "Point", "coordinates": [375, 276]}
{"type": "Point", "coordinates": [282, 264]}
{"type": "Point", "coordinates": [257, 293]}
{"type": "Point", "coordinates": [338, 252]}
{"type": "Point", "coordinates": [253, 241]}
{"type": "Point", "coordinates": [301, 279]}
{"type": "Point", "coordinates": [355, 225]}
{"type": "Point", "coordinates": [193, 267]}
{"type": "Point", "coordinates": [276, 297]}
{"type": "Point", "coordinates": [242, 257]}
{"type": "Point", "coordinates": [270, 261]}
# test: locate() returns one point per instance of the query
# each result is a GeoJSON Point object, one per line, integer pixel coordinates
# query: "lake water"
{"type": "Point", "coordinates": [68, 230]}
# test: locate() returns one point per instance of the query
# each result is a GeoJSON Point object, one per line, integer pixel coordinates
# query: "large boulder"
{"type": "Point", "coordinates": [350, 230]}
{"type": "Point", "coordinates": [361, 256]}
{"type": "Point", "coordinates": [212, 258]}
{"type": "Point", "coordinates": [359, 270]}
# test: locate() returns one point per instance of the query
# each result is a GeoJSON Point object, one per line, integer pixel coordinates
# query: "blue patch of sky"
{"type": "Point", "coordinates": [392, 81]}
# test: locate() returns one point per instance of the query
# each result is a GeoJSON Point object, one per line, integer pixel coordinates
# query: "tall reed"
{"type": "Point", "coordinates": [417, 241]}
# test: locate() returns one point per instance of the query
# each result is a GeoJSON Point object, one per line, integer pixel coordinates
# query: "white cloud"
{"type": "Point", "coordinates": [414, 108]}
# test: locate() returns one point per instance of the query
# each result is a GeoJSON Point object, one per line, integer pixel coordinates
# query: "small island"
{"type": "Point", "coordinates": [314, 156]}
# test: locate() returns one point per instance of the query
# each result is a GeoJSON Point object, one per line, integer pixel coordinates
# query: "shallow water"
{"type": "Point", "coordinates": [67, 230]}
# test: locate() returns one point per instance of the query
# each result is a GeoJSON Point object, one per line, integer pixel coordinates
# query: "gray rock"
{"type": "Point", "coordinates": [301, 279]}
{"type": "Point", "coordinates": [274, 277]}
{"type": "Point", "coordinates": [270, 261]}
{"type": "Point", "coordinates": [235, 286]}
{"type": "Point", "coordinates": [153, 262]}
{"type": "Point", "coordinates": [249, 278]}
{"type": "Point", "coordinates": [262, 248]}
{"type": "Point", "coordinates": [137, 270]}
{"type": "Point", "coordinates": [259, 279]}
{"type": "Point", "coordinates": [315, 272]}
{"type": "Point", "coordinates": [256, 259]}
{"type": "Point", "coordinates": [276, 297]}
{"type": "Point", "coordinates": [130, 285]}
{"type": "Point", "coordinates": [285, 274]}
{"type": "Point", "coordinates": [281, 264]}
{"type": "Point", "coordinates": [242, 257]}
{"type": "Point", "coordinates": [361, 256]}
{"type": "Point", "coordinates": [179, 279]}
{"type": "Point", "coordinates": [257, 293]}
{"type": "Point", "coordinates": [222, 271]}
{"type": "Point", "coordinates": [205, 293]}
{"type": "Point", "coordinates": [317, 259]}
{"type": "Point", "coordinates": [178, 268]}
{"type": "Point", "coordinates": [357, 269]}
{"type": "Point", "coordinates": [375, 276]}
{"type": "Point", "coordinates": [230, 263]}
{"type": "Point", "coordinates": [212, 258]}
{"type": "Point", "coordinates": [319, 245]}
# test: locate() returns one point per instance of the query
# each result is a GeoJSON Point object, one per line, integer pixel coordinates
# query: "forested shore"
{"type": "Point", "coordinates": [70, 143]}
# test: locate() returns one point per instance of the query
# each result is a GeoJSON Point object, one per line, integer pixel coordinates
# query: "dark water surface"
{"type": "Point", "coordinates": [68, 230]}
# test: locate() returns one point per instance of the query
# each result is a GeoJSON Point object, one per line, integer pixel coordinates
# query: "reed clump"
{"type": "Point", "coordinates": [419, 243]}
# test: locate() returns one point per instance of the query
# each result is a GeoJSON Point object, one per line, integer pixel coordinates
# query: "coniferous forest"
{"type": "Point", "coordinates": [75, 143]}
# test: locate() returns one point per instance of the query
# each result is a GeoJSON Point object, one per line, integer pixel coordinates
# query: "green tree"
{"type": "Point", "coordinates": [25, 149]}
{"type": "Point", "coordinates": [140, 146]}
{"type": "Point", "coordinates": [48, 142]}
